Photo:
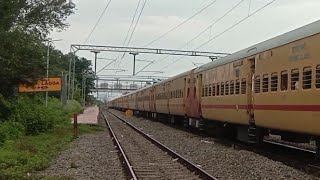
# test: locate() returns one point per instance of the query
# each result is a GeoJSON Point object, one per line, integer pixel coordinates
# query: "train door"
{"type": "Point", "coordinates": [250, 97]}
{"type": "Point", "coordinates": [252, 131]}
{"type": "Point", "coordinates": [168, 95]}
{"type": "Point", "coordinates": [152, 100]}
{"type": "Point", "coordinates": [192, 102]}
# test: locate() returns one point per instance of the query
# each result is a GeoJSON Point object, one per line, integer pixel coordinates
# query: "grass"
{"type": "Point", "coordinates": [22, 158]}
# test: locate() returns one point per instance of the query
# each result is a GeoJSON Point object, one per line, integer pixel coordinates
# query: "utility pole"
{"type": "Point", "coordinates": [48, 62]}
{"type": "Point", "coordinates": [134, 62]}
{"type": "Point", "coordinates": [95, 70]}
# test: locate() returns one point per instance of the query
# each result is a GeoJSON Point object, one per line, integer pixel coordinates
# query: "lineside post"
{"type": "Point", "coordinates": [75, 125]}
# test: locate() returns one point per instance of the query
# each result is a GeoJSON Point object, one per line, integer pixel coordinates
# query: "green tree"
{"type": "Point", "coordinates": [36, 16]}
{"type": "Point", "coordinates": [24, 25]}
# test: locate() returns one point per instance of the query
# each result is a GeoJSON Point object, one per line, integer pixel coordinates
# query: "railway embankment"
{"type": "Point", "coordinates": [31, 134]}
{"type": "Point", "coordinates": [220, 160]}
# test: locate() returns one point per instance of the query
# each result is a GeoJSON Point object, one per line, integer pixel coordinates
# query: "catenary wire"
{"type": "Point", "coordinates": [97, 23]}
{"type": "Point", "coordinates": [223, 31]}
{"type": "Point", "coordinates": [182, 23]}
{"type": "Point", "coordinates": [209, 27]}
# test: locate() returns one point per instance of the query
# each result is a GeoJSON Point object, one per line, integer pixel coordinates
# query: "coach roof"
{"type": "Point", "coordinates": [300, 33]}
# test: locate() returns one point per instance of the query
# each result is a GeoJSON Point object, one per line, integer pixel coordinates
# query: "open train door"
{"type": "Point", "coordinates": [152, 103]}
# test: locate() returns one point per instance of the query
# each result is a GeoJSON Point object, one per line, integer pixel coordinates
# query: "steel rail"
{"type": "Point", "coordinates": [203, 174]}
{"type": "Point", "coordinates": [123, 154]}
{"type": "Point", "coordinates": [289, 146]}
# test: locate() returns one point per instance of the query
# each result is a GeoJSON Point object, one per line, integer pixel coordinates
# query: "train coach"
{"type": "Point", "coordinates": [269, 88]}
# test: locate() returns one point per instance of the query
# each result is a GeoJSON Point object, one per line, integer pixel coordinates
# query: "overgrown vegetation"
{"type": "Point", "coordinates": [33, 134]}
{"type": "Point", "coordinates": [30, 133]}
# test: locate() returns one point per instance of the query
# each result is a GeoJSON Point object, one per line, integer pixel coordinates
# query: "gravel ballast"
{"type": "Point", "coordinates": [217, 159]}
{"type": "Point", "coordinates": [92, 156]}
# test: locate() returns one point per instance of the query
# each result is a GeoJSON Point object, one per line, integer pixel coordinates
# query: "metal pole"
{"type": "Point", "coordinates": [134, 62]}
{"type": "Point", "coordinates": [73, 75]}
{"type": "Point", "coordinates": [69, 75]}
{"type": "Point", "coordinates": [95, 70]}
{"type": "Point", "coordinates": [134, 65]}
{"type": "Point", "coordinates": [84, 91]}
{"type": "Point", "coordinates": [48, 51]}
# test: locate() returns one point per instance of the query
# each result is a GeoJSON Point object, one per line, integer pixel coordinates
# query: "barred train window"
{"type": "Point", "coordinates": [284, 80]}
{"type": "Point", "coordinates": [213, 89]}
{"type": "Point", "coordinates": [243, 86]}
{"type": "Point", "coordinates": [206, 91]}
{"type": "Point", "coordinates": [318, 77]}
{"type": "Point", "coordinates": [202, 91]}
{"type": "Point", "coordinates": [265, 83]}
{"type": "Point", "coordinates": [231, 87]}
{"type": "Point", "coordinates": [227, 88]}
{"type": "Point", "coordinates": [222, 89]}
{"type": "Point", "coordinates": [295, 79]}
{"type": "Point", "coordinates": [274, 81]}
{"type": "Point", "coordinates": [307, 77]}
{"type": "Point", "coordinates": [218, 89]}
{"type": "Point", "coordinates": [210, 90]}
{"type": "Point", "coordinates": [257, 84]}
{"type": "Point", "coordinates": [237, 86]}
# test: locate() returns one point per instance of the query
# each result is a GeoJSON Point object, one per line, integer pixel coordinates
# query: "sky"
{"type": "Point", "coordinates": [160, 16]}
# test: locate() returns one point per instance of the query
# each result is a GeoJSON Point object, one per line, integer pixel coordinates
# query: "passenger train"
{"type": "Point", "coordinates": [269, 88]}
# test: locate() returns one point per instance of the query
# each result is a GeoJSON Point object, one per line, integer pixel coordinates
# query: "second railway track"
{"type": "Point", "coordinates": [145, 158]}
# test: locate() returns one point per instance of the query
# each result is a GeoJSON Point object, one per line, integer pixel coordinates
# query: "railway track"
{"type": "Point", "coordinates": [145, 158]}
{"type": "Point", "coordinates": [301, 156]}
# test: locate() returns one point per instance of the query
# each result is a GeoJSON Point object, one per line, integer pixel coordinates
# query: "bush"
{"type": "Point", "coordinates": [73, 107]}
{"type": "Point", "coordinates": [12, 130]}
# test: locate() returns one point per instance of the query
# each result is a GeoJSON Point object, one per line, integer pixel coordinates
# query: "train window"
{"type": "Point", "coordinates": [218, 89]}
{"type": "Point", "coordinates": [222, 89]}
{"type": "Point", "coordinates": [307, 77]}
{"type": "Point", "coordinates": [243, 86]}
{"type": "Point", "coordinates": [210, 90]}
{"type": "Point", "coordinates": [213, 89]}
{"type": "Point", "coordinates": [231, 87]}
{"type": "Point", "coordinates": [284, 80]}
{"type": "Point", "coordinates": [265, 83]}
{"type": "Point", "coordinates": [237, 86]}
{"type": "Point", "coordinates": [295, 79]}
{"type": "Point", "coordinates": [318, 77]}
{"type": "Point", "coordinates": [227, 88]}
{"type": "Point", "coordinates": [202, 91]}
{"type": "Point", "coordinates": [188, 92]}
{"type": "Point", "coordinates": [274, 81]}
{"type": "Point", "coordinates": [257, 84]}
{"type": "Point", "coordinates": [206, 91]}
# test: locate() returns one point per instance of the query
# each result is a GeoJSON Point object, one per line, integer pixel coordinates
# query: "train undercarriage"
{"type": "Point", "coordinates": [244, 133]}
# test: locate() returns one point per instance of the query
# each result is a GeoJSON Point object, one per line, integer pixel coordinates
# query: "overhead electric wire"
{"type": "Point", "coordinates": [97, 23]}
{"type": "Point", "coordinates": [224, 31]}
{"type": "Point", "coordinates": [211, 39]}
{"type": "Point", "coordinates": [182, 23]}
{"type": "Point", "coordinates": [133, 30]}
{"type": "Point", "coordinates": [209, 27]}
{"type": "Point", "coordinates": [143, 6]}
{"type": "Point", "coordinates": [132, 21]}
{"type": "Point", "coordinates": [127, 35]}
{"type": "Point", "coordinates": [214, 23]}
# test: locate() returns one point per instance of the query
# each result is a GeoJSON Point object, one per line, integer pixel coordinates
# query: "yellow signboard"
{"type": "Point", "coordinates": [50, 84]}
